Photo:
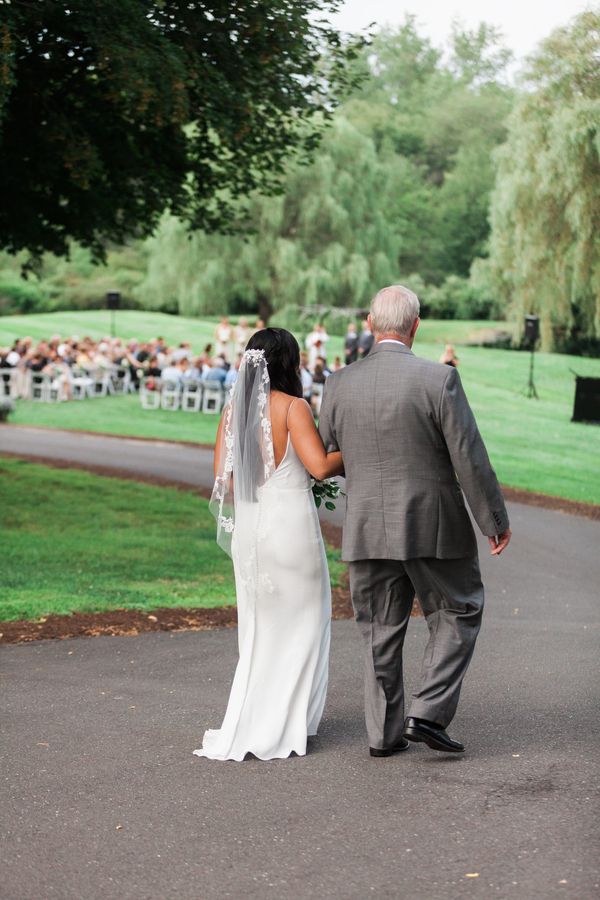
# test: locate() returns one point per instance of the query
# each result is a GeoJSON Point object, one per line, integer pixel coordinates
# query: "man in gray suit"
{"type": "Point", "coordinates": [410, 443]}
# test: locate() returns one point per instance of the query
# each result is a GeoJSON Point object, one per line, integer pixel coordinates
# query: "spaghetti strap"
{"type": "Point", "coordinates": [288, 413]}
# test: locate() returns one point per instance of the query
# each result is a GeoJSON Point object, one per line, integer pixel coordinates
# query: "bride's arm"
{"type": "Point", "coordinates": [218, 447]}
{"type": "Point", "coordinates": [308, 444]}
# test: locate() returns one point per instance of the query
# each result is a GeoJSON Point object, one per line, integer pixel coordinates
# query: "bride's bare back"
{"type": "Point", "coordinates": [294, 415]}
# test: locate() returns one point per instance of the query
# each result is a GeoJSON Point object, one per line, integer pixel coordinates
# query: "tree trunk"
{"type": "Point", "coordinates": [265, 309]}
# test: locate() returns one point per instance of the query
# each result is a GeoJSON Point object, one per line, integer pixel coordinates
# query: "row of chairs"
{"type": "Point", "coordinates": [80, 385]}
{"type": "Point", "coordinates": [190, 396]}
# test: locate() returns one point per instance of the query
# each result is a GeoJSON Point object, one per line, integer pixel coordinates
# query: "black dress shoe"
{"type": "Point", "coordinates": [403, 745]}
{"type": "Point", "coordinates": [421, 731]}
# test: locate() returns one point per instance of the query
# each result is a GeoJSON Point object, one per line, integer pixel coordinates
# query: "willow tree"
{"type": "Point", "coordinates": [400, 184]}
{"type": "Point", "coordinates": [331, 238]}
{"type": "Point", "coordinates": [545, 213]}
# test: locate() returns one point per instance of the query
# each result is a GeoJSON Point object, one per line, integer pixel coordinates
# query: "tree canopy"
{"type": "Point", "coordinates": [112, 112]}
{"type": "Point", "coordinates": [544, 248]}
{"type": "Point", "coordinates": [399, 185]}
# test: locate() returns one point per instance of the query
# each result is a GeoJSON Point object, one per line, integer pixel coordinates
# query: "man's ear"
{"type": "Point", "coordinates": [416, 324]}
{"type": "Point", "coordinates": [369, 322]}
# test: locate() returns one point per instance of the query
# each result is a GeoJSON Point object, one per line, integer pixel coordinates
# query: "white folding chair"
{"type": "Point", "coordinates": [191, 398]}
{"type": "Point", "coordinates": [170, 397]}
{"type": "Point", "coordinates": [55, 392]}
{"type": "Point", "coordinates": [120, 380]}
{"type": "Point", "coordinates": [100, 383]}
{"type": "Point", "coordinates": [81, 384]}
{"type": "Point", "coordinates": [8, 382]}
{"type": "Point", "coordinates": [40, 385]}
{"type": "Point", "coordinates": [212, 397]}
{"type": "Point", "coordinates": [150, 391]}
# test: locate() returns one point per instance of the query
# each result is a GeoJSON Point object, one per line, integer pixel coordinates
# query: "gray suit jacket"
{"type": "Point", "coordinates": [410, 443]}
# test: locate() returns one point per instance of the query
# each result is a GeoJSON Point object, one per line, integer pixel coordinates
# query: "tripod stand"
{"type": "Point", "coordinates": [531, 389]}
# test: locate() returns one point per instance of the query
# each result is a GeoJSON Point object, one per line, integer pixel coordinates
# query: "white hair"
{"type": "Point", "coordinates": [394, 310]}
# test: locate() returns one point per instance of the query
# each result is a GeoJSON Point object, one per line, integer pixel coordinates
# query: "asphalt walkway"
{"type": "Point", "coordinates": [103, 799]}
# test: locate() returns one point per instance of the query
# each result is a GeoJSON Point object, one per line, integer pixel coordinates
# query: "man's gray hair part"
{"type": "Point", "coordinates": [394, 310]}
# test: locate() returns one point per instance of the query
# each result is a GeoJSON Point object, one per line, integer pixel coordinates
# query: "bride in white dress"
{"type": "Point", "coordinates": [267, 449]}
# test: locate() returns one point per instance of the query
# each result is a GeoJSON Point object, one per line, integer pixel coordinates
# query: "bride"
{"type": "Point", "coordinates": [267, 448]}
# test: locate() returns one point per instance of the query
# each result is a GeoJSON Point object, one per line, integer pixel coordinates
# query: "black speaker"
{"type": "Point", "coordinates": [587, 400]}
{"type": "Point", "coordinates": [532, 329]}
{"type": "Point", "coordinates": [113, 300]}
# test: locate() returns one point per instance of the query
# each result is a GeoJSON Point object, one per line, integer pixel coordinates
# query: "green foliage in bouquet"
{"type": "Point", "coordinates": [326, 492]}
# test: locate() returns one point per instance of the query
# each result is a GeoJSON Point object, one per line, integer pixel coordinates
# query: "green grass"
{"type": "Point", "coordinates": [79, 542]}
{"type": "Point", "coordinates": [119, 415]}
{"type": "Point", "coordinates": [96, 324]}
{"type": "Point", "coordinates": [145, 325]}
{"type": "Point", "coordinates": [532, 443]}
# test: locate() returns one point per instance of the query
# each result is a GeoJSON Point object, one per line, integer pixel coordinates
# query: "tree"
{"type": "Point", "coordinates": [111, 112]}
{"type": "Point", "coordinates": [446, 118]}
{"type": "Point", "coordinates": [333, 237]}
{"type": "Point", "coordinates": [545, 214]}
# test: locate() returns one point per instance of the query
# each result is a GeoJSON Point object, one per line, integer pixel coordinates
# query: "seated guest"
{"type": "Point", "coordinates": [319, 375]}
{"type": "Point", "coordinates": [351, 344]}
{"type": "Point", "coordinates": [305, 376]}
{"type": "Point", "coordinates": [13, 356]}
{"type": "Point", "coordinates": [84, 360]}
{"type": "Point", "coordinates": [152, 368]}
{"type": "Point", "coordinates": [322, 362]}
{"type": "Point", "coordinates": [186, 369]}
{"type": "Point", "coordinates": [217, 371]}
{"type": "Point", "coordinates": [182, 352]}
{"type": "Point", "coordinates": [61, 375]}
{"type": "Point", "coordinates": [316, 394]}
{"type": "Point", "coordinates": [37, 362]}
{"type": "Point", "coordinates": [232, 373]}
{"type": "Point", "coordinates": [171, 373]}
{"type": "Point", "coordinates": [199, 368]}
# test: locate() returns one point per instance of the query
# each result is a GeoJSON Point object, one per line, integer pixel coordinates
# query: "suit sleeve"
{"type": "Point", "coordinates": [470, 458]}
{"type": "Point", "coordinates": [326, 423]}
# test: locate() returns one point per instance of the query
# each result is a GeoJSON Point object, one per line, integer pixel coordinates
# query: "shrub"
{"type": "Point", "coordinates": [6, 408]}
{"type": "Point", "coordinates": [459, 298]}
{"type": "Point", "coordinates": [291, 317]}
{"type": "Point", "coordinates": [336, 321]}
{"type": "Point", "coordinates": [21, 295]}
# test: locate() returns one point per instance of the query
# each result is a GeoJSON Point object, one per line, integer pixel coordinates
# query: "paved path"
{"type": "Point", "coordinates": [103, 799]}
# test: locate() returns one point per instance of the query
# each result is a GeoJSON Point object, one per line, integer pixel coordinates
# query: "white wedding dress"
{"type": "Point", "coordinates": [284, 613]}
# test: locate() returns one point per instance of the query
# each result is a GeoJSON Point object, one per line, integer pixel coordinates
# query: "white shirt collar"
{"type": "Point", "coordinates": [392, 341]}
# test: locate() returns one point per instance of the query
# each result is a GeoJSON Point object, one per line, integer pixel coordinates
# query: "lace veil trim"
{"type": "Point", "coordinates": [246, 456]}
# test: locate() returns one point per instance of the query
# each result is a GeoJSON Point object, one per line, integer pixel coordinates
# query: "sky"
{"type": "Point", "coordinates": [523, 22]}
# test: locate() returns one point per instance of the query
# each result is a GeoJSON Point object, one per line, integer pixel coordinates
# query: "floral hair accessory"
{"type": "Point", "coordinates": [253, 356]}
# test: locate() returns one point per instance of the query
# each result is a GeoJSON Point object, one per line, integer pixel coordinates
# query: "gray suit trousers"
{"type": "Point", "coordinates": [451, 596]}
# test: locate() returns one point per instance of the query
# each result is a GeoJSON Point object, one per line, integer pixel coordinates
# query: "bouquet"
{"type": "Point", "coordinates": [326, 492]}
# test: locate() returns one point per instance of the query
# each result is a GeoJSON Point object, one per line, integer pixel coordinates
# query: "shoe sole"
{"type": "Point", "coordinates": [380, 754]}
{"type": "Point", "coordinates": [419, 738]}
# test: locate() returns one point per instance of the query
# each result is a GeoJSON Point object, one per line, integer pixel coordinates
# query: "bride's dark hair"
{"type": "Point", "coordinates": [283, 359]}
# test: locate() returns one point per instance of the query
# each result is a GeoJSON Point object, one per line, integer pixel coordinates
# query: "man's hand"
{"type": "Point", "coordinates": [500, 542]}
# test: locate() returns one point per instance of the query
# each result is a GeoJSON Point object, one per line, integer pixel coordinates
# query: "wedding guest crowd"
{"type": "Point", "coordinates": [65, 359]}
{"type": "Point", "coordinates": [156, 362]}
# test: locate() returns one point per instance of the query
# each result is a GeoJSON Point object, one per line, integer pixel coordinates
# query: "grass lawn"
{"type": "Point", "coordinates": [119, 415]}
{"type": "Point", "coordinates": [75, 542]}
{"type": "Point", "coordinates": [145, 325]}
{"type": "Point", "coordinates": [532, 443]}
